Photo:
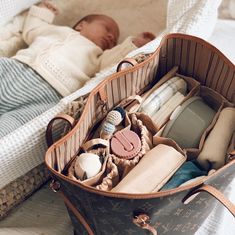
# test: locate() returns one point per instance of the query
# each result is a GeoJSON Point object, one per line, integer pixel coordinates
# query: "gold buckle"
{"type": "Point", "coordinates": [55, 186]}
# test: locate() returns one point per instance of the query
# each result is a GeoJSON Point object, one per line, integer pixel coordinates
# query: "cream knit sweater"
{"type": "Point", "coordinates": [64, 58]}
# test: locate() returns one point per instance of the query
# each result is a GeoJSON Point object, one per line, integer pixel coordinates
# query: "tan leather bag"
{"type": "Point", "coordinates": [94, 211]}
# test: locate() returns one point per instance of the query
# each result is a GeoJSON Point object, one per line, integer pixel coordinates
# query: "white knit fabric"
{"type": "Point", "coordinates": [196, 17]}
{"type": "Point", "coordinates": [10, 8]}
{"type": "Point", "coordinates": [24, 148]}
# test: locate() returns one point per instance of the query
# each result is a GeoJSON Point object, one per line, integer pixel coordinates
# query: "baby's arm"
{"type": "Point", "coordinates": [143, 38]}
{"type": "Point", "coordinates": [38, 21]}
{"type": "Point", "coordinates": [117, 53]}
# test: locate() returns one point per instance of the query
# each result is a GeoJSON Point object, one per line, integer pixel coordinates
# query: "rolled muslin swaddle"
{"type": "Point", "coordinates": [162, 94]}
{"type": "Point", "coordinates": [161, 116]}
{"type": "Point", "coordinates": [152, 172]}
{"type": "Point", "coordinates": [215, 147]}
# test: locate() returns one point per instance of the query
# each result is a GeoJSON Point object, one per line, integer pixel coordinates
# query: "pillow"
{"type": "Point", "coordinates": [11, 8]}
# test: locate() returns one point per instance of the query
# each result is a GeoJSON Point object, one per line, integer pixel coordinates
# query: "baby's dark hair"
{"type": "Point", "coordinates": [88, 18]}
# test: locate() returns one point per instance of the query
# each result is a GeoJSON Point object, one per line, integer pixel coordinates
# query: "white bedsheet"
{"type": "Point", "coordinates": [223, 37]}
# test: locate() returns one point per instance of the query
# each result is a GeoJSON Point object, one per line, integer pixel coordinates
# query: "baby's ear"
{"type": "Point", "coordinates": [79, 26]}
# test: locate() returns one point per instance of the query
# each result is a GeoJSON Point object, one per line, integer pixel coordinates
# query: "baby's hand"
{"type": "Point", "coordinates": [50, 6]}
{"type": "Point", "coordinates": [143, 38]}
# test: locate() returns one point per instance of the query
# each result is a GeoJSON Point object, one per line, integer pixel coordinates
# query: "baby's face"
{"type": "Point", "coordinates": [103, 31]}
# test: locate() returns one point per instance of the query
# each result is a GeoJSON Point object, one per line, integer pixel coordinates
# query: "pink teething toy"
{"type": "Point", "coordinates": [125, 144]}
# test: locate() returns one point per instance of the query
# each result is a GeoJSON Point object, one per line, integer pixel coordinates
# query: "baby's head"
{"type": "Point", "coordinates": [100, 29]}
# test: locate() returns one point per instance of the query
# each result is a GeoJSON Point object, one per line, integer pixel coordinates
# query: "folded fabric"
{"type": "Point", "coordinates": [161, 116]}
{"type": "Point", "coordinates": [187, 171]}
{"type": "Point", "coordinates": [212, 171]}
{"type": "Point", "coordinates": [214, 151]}
{"type": "Point", "coordinates": [162, 94]}
{"type": "Point", "coordinates": [191, 181]}
{"type": "Point", "coordinates": [152, 172]}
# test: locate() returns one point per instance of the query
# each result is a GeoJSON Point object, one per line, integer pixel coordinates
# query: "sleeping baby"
{"type": "Point", "coordinates": [58, 61]}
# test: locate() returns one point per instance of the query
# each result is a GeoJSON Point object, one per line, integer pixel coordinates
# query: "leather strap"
{"type": "Point", "coordinates": [55, 186]}
{"type": "Point", "coordinates": [78, 215]}
{"type": "Point", "coordinates": [143, 221]}
{"type": "Point", "coordinates": [103, 94]}
{"type": "Point", "coordinates": [131, 98]}
{"type": "Point", "coordinates": [215, 193]}
{"type": "Point", "coordinates": [90, 143]}
{"type": "Point", "coordinates": [130, 61]}
{"type": "Point", "coordinates": [137, 98]}
{"type": "Point", "coordinates": [61, 116]}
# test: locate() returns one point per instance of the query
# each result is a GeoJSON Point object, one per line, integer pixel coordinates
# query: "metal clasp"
{"type": "Point", "coordinates": [55, 186]}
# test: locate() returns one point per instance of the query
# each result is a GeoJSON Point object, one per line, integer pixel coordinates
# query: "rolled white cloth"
{"type": "Point", "coordinates": [215, 147]}
{"type": "Point", "coordinates": [153, 171]}
{"type": "Point", "coordinates": [161, 116]}
{"type": "Point", "coordinates": [162, 94]}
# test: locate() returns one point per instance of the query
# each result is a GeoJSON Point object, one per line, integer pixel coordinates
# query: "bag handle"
{"type": "Point", "coordinates": [215, 193]}
{"type": "Point", "coordinates": [77, 214]}
{"type": "Point", "coordinates": [126, 103]}
{"type": "Point", "coordinates": [130, 61]}
{"type": "Point", "coordinates": [90, 143]}
{"type": "Point", "coordinates": [133, 61]}
{"type": "Point", "coordinates": [55, 186]}
{"type": "Point", "coordinates": [62, 116]}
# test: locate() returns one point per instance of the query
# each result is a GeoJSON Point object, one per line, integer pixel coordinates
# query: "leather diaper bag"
{"type": "Point", "coordinates": [181, 210]}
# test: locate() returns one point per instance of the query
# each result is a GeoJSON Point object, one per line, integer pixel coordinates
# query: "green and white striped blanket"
{"type": "Point", "coordinates": [24, 95]}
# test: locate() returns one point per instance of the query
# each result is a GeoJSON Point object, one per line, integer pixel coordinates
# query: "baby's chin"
{"type": "Point", "coordinates": [100, 46]}
{"type": "Point", "coordinates": [105, 45]}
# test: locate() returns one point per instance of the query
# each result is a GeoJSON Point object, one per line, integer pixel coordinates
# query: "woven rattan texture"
{"type": "Point", "coordinates": [21, 188]}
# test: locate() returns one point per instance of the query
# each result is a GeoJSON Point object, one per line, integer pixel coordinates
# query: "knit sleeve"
{"type": "Point", "coordinates": [36, 23]}
{"type": "Point", "coordinates": [117, 53]}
